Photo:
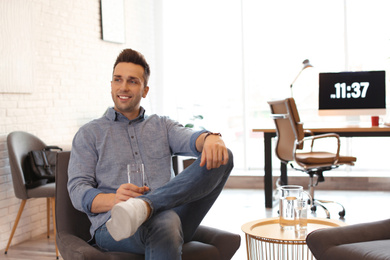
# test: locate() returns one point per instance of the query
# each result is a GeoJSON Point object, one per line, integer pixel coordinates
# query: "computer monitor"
{"type": "Point", "coordinates": [352, 93]}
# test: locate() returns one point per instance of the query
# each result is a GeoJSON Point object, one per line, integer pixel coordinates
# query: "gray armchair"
{"type": "Point", "coordinates": [73, 231]}
{"type": "Point", "coordinates": [19, 144]}
{"type": "Point", "coordinates": [368, 241]}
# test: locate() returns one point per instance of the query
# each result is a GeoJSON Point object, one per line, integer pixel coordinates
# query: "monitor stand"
{"type": "Point", "coordinates": [353, 120]}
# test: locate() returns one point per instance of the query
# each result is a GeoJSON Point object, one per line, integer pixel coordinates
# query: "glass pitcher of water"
{"type": "Point", "coordinates": [291, 197]}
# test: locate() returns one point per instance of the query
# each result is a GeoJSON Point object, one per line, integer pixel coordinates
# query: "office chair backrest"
{"type": "Point", "coordinates": [68, 219]}
{"type": "Point", "coordinates": [289, 129]}
{"type": "Point", "coordinates": [19, 144]}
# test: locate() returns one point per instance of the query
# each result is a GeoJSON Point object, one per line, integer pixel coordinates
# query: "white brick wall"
{"type": "Point", "coordinates": [72, 71]}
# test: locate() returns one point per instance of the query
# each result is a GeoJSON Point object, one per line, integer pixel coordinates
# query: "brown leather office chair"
{"type": "Point", "coordinates": [290, 143]}
{"type": "Point", "coordinates": [73, 231]}
{"type": "Point", "coordinates": [19, 144]}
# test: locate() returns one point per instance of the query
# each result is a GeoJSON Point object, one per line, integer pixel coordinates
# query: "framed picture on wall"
{"type": "Point", "coordinates": [16, 47]}
{"type": "Point", "coordinates": [113, 22]}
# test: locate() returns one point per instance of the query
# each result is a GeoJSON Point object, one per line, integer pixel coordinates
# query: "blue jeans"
{"type": "Point", "coordinates": [178, 208]}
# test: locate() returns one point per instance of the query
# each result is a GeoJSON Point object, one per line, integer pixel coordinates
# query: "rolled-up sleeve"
{"type": "Point", "coordinates": [193, 139]}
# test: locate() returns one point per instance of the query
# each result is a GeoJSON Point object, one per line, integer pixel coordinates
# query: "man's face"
{"type": "Point", "coordinates": [127, 88]}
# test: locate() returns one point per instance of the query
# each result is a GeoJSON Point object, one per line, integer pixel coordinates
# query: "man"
{"type": "Point", "coordinates": [159, 217]}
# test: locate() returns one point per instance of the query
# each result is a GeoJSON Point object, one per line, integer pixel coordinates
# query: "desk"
{"type": "Point", "coordinates": [343, 131]}
{"type": "Point", "coordinates": [266, 240]}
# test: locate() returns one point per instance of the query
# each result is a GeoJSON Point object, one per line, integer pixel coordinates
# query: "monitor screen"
{"type": "Point", "coordinates": [352, 93]}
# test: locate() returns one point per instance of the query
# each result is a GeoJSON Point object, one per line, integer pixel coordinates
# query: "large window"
{"type": "Point", "coordinates": [225, 59]}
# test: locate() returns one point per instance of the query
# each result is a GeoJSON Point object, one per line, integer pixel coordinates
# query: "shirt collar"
{"type": "Point", "coordinates": [113, 115]}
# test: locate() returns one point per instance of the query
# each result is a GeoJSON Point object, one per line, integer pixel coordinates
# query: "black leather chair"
{"type": "Point", "coordinates": [368, 241]}
{"type": "Point", "coordinates": [73, 231]}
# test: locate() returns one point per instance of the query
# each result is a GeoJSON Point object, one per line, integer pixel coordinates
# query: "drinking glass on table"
{"type": "Point", "coordinates": [301, 218]}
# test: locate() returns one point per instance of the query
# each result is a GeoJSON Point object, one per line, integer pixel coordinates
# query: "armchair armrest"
{"type": "Point", "coordinates": [322, 240]}
{"type": "Point", "coordinates": [226, 242]}
{"type": "Point", "coordinates": [75, 248]}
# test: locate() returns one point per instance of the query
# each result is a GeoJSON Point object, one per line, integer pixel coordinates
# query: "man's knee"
{"type": "Point", "coordinates": [167, 224]}
{"type": "Point", "coordinates": [164, 236]}
{"type": "Point", "coordinates": [230, 162]}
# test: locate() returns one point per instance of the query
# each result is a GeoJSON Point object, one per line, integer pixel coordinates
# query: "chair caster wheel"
{"type": "Point", "coordinates": [342, 214]}
{"type": "Point", "coordinates": [313, 209]}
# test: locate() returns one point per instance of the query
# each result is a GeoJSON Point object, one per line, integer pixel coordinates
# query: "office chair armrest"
{"type": "Point", "coordinates": [308, 132]}
{"type": "Point", "coordinates": [312, 138]}
{"type": "Point", "coordinates": [322, 136]}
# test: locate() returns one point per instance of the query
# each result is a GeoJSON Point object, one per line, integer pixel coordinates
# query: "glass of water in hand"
{"type": "Point", "coordinates": [135, 174]}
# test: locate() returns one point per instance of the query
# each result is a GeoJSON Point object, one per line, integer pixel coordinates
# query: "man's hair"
{"type": "Point", "coordinates": [129, 55]}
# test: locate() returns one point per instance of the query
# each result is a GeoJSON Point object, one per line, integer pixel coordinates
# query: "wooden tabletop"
{"type": "Point", "coordinates": [269, 229]}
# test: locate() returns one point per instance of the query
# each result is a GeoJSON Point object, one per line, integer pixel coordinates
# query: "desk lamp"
{"type": "Point", "coordinates": [306, 64]}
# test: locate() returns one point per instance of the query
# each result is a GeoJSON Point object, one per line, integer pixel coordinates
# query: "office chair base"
{"type": "Point", "coordinates": [321, 202]}
{"type": "Point", "coordinates": [313, 183]}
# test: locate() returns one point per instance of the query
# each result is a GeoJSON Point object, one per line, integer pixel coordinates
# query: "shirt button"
{"type": "Point", "coordinates": [136, 153]}
{"type": "Point", "coordinates": [132, 137]}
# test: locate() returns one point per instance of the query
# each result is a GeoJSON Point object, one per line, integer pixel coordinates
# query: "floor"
{"type": "Point", "coordinates": [234, 208]}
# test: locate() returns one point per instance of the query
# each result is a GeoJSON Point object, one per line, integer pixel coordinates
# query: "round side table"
{"type": "Point", "coordinates": [266, 240]}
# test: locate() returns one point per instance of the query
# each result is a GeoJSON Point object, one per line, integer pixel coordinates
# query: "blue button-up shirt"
{"type": "Point", "coordinates": [102, 149]}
